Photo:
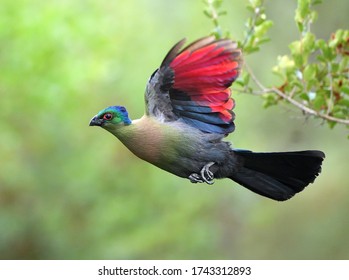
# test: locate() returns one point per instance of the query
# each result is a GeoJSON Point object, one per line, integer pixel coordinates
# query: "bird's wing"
{"type": "Point", "coordinates": [192, 85]}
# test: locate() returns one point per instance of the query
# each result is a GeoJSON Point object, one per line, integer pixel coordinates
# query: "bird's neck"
{"type": "Point", "coordinates": [143, 137]}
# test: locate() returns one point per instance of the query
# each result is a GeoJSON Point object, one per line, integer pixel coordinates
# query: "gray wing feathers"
{"type": "Point", "coordinates": [157, 99]}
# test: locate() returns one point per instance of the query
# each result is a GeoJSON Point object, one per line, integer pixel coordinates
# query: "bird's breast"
{"type": "Point", "coordinates": [148, 139]}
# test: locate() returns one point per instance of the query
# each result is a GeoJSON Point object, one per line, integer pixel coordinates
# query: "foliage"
{"type": "Point", "coordinates": [314, 76]}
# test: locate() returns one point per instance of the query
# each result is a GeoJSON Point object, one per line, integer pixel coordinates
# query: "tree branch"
{"type": "Point", "coordinates": [294, 102]}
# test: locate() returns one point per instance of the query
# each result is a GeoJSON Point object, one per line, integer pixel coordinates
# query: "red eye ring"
{"type": "Point", "coordinates": [107, 116]}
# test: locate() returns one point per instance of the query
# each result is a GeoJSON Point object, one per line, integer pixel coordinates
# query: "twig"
{"type": "Point", "coordinates": [297, 104]}
{"type": "Point", "coordinates": [214, 17]}
{"type": "Point", "coordinates": [252, 28]}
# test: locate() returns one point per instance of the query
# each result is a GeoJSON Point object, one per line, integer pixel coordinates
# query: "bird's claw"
{"type": "Point", "coordinates": [206, 175]}
{"type": "Point", "coordinates": [195, 178]}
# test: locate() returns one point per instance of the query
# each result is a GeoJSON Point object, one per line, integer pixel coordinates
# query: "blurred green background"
{"type": "Point", "coordinates": [69, 191]}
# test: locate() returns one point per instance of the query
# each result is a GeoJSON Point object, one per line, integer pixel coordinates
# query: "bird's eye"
{"type": "Point", "coordinates": [108, 116]}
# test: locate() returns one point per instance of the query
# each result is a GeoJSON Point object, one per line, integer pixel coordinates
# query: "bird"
{"type": "Point", "coordinates": [189, 112]}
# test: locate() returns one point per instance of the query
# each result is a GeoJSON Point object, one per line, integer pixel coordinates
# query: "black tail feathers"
{"type": "Point", "coordinates": [278, 176]}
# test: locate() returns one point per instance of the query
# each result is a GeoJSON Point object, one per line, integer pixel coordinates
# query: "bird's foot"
{"type": "Point", "coordinates": [195, 178]}
{"type": "Point", "coordinates": [206, 175]}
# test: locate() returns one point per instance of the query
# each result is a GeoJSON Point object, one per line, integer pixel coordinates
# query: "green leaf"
{"type": "Point", "coordinates": [263, 28]}
{"type": "Point", "coordinates": [249, 50]}
{"type": "Point", "coordinates": [337, 38]}
{"type": "Point", "coordinates": [255, 3]}
{"type": "Point", "coordinates": [331, 124]}
{"type": "Point", "coordinates": [321, 43]}
{"type": "Point", "coordinates": [334, 67]}
{"type": "Point", "coordinates": [345, 89]}
{"type": "Point", "coordinates": [250, 8]}
{"type": "Point", "coordinates": [218, 3]}
{"type": "Point", "coordinates": [246, 78]}
{"type": "Point", "coordinates": [304, 96]}
{"type": "Point", "coordinates": [239, 82]}
{"type": "Point", "coordinates": [338, 112]}
{"type": "Point", "coordinates": [309, 72]}
{"type": "Point", "coordinates": [344, 64]}
{"type": "Point", "coordinates": [243, 80]}
{"type": "Point", "coordinates": [319, 102]}
{"type": "Point", "coordinates": [208, 13]}
{"type": "Point", "coordinates": [300, 26]}
{"type": "Point", "coordinates": [264, 40]}
{"type": "Point", "coordinates": [296, 54]}
{"type": "Point", "coordinates": [308, 42]}
{"type": "Point", "coordinates": [302, 10]}
{"type": "Point", "coordinates": [269, 100]}
{"type": "Point", "coordinates": [313, 16]}
{"type": "Point", "coordinates": [328, 53]}
{"type": "Point", "coordinates": [295, 47]}
{"type": "Point", "coordinates": [344, 103]}
{"type": "Point", "coordinates": [299, 60]}
{"type": "Point", "coordinates": [316, 2]}
{"type": "Point", "coordinates": [285, 62]}
{"type": "Point", "coordinates": [321, 58]}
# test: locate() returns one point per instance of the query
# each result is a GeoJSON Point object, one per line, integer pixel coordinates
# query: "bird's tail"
{"type": "Point", "coordinates": [278, 176]}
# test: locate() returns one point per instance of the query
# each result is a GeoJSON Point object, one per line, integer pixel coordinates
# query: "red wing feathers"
{"type": "Point", "coordinates": [200, 76]}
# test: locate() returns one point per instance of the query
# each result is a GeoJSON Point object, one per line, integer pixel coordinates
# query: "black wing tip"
{"type": "Point", "coordinates": [228, 44]}
{"type": "Point", "coordinates": [172, 53]}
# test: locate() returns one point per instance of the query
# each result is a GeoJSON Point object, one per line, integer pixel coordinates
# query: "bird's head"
{"type": "Point", "coordinates": [111, 118]}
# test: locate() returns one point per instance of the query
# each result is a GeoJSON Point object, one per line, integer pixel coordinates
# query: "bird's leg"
{"type": "Point", "coordinates": [205, 175]}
